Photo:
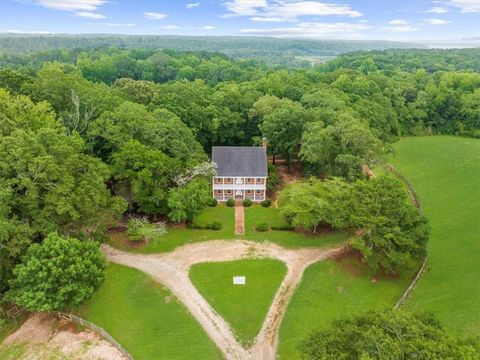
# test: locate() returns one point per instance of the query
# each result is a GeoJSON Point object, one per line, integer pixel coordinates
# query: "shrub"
{"type": "Point", "coordinates": [140, 229]}
{"type": "Point", "coordinates": [216, 225]}
{"type": "Point", "coordinates": [213, 202]}
{"type": "Point", "coordinates": [58, 274]}
{"type": "Point", "coordinates": [285, 227]}
{"type": "Point", "coordinates": [230, 202]}
{"type": "Point", "coordinates": [273, 179]}
{"type": "Point", "coordinates": [247, 202]}
{"type": "Point", "coordinates": [266, 203]}
{"type": "Point", "coordinates": [263, 226]}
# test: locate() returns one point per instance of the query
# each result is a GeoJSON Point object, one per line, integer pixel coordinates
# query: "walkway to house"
{"type": "Point", "coordinates": [239, 218]}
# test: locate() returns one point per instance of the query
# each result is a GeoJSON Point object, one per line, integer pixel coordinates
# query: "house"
{"type": "Point", "coordinates": [241, 172]}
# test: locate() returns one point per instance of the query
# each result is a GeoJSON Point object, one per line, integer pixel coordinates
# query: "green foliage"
{"type": "Point", "coordinates": [47, 182]}
{"type": "Point", "coordinates": [231, 202]}
{"type": "Point", "coordinates": [213, 202]}
{"type": "Point", "coordinates": [263, 226]}
{"type": "Point", "coordinates": [59, 274]}
{"type": "Point", "coordinates": [396, 335]}
{"type": "Point", "coordinates": [247, 202]}
{"type": "Point", "coordinates": [187, 201]}
{"type": "Point", "coordinates": [266, 203]}
{"type": "Point", "coordinates": [273, 179]}
{"type": "Point", "coordinates": [140, 229]}
{"type": "Point", "coordinates": [215, 225]}
{"type": "Point", "coordinates": [283, 227]}
{"type": "Point", "coordinates": [393, 234]}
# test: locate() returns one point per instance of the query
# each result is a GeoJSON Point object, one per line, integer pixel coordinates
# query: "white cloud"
{"type": "Point", "coordinates": [170, 27]}
{"type": "Point", "coordinates": [399, 25]}
{"type": "Point", "coordinates": [193, 5]}
{"type": "Point", "coordinates": [437, 10]}
{"type": "Point", "coordinates": [90, 15]}
{"type": "Point", "coordinates": [437, 21]}
{"type": "Point", "coordinates": [244, 7]}
{"type": "Point", "coordinates": [155, 15]}
{"type": "Point", "coordinates": [467, 6]}
{"type": "Point", "coordinates": [208, 27]}
{"type": "Point", "coordinates": [312, 30]}
{"type": "Point", "coordinates": [285, 10]}
{"type": "Point", "coordinates": [70, 5]}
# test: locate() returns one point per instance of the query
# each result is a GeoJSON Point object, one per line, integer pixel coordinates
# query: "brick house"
{"type": "Point", "coordinates": [241, 173]}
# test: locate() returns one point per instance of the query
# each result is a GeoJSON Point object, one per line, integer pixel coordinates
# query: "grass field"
{"type": "Point", "coordinates": [243, 306]}
{"type": "Point", "coordinates": [445, 172]}
{"type": "Point", "coordinates": [146, 319]}
{"type": "Point", "coordinates": [331, 290]}
{"type": "Point", "coordinates": [289, 239]}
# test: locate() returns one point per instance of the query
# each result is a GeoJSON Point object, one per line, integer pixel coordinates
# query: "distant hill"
{"type": "Point", "coordinates": [290, 52]}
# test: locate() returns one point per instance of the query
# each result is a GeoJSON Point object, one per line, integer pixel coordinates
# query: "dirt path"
{"type": "Point", "coordinates": [171, 270]}
{"type": "Point", "coordinates": [239, 219]}
{"type": "Point", "coordinates": [44, 338]}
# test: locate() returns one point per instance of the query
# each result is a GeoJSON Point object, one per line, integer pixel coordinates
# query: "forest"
{"type": "Point", "coordinates": [89, 134]}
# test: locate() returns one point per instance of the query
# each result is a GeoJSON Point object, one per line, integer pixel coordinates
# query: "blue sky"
{"type": "Point", "coordinates": [339, 19]}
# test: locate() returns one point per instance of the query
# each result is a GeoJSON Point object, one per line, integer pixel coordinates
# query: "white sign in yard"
{"type": "Point", "coordinates": [239, 280]}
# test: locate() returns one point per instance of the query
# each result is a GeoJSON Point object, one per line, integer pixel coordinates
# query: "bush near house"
{"type": "Point", "coordinates": [247, 202]}
{"type": "Point", "coordinates": [213, 202]}
{"type": "Point", "coordinates": [266, 203]}
{"type": "Point", "coordinates": [263, 226]}
{"type": "Point", "coordinates": [140, 229]}
{"type": "Point", "coordinates": [230, 203]}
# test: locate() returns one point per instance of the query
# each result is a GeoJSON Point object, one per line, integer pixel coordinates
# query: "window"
{"type": "Point", "coordinates": [249, 181]}
{"type": "Point", "coordinates": [259, 192]}
{"type": "Point", "coordinates": [218, 192]}
{"type": "Point", "coordinates": [228, 180]}
{"type": "Point", "coordinates": [249, 192]}
{"type": "Point", "coordinates": [229, 192]}
{"type": "Point", "coordinates": [218, 180]}
{"type": "Point", "coordinates": [259, 180]}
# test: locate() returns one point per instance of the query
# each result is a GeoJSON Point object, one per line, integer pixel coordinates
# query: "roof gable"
{"type": "Point", "coordinates": [240, 161]}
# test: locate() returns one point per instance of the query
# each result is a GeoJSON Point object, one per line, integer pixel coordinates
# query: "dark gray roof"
{"type": "Point", "coordinates": [240, 161]}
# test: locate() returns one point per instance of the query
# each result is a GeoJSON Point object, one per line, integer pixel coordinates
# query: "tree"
{"type": "Point", "coordinates": [394, 234]}
{"type": "Point", "coordinates": [340, 149]}
{"type": "Point", "coordinates": [312, 203]}
{"type": "Point", "coordinates": [59, 274]}
{"type": "Point", "coordinates": [187, 201]}
{"type": "Point", "coordinates": [392, 334]}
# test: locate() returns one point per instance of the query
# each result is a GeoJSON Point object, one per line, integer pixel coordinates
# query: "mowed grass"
{"type": "Point", "coordinates": [289, 239]}
{"type": "Point", "coordinates": [146, 319]}
{"type": "Point", "coordinates": [445, 172]}
{"type": "Point", "coordinates": [333, 290]}
{"type": "Point", "coordinates": [180, 235]}
{"type": "Point", "coordinates": [243, 306]}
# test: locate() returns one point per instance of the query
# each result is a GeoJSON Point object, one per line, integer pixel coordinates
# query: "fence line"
{"type": "Point", "coordinates": [85, 323]}
{"type": "Point", "coordinates": [417, 203]}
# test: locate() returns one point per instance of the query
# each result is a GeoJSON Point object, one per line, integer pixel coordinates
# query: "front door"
{"type": "Point", "coordinates": [239, 194]}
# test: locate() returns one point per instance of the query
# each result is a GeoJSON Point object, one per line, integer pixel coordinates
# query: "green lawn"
{"type": "Point", "coordinates": [146, 319]}
{"type": "Point", "coordinates": [178, 236]}
{"type": "Point", "coordinates": [331, 290]}
{"type": "Point", "coordinates": [243, 306]}
{"type": "Point", "coordinates": [445, 172]}
{"type": "Point", "coordinates": [289, 239]}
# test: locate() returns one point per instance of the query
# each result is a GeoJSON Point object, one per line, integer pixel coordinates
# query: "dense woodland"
{"type": "Point", "coordinates": [288, 52]}
{"type": "Point", "coordinates": [86, 135]}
